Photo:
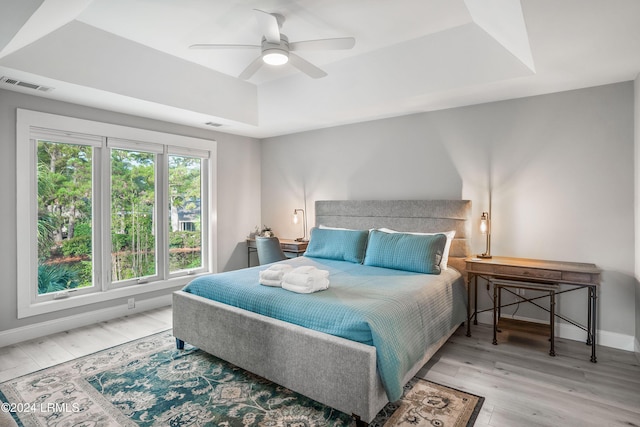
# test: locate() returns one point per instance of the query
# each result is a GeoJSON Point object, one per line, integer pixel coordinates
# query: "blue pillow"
{"type": "Point", "coordinates": [409, 252]}
{"type": "Point", "coordinates": [342, 245]}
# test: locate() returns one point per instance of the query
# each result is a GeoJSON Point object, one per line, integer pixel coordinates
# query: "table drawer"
{"type": "Point", "coordinates": [574, 277]}
{"type": "Point", "coordinates": [505, 270]}
{"type": "Point", "coordinates": [480, 268]}
{"type": "Point", "coordinates": [534, 273]}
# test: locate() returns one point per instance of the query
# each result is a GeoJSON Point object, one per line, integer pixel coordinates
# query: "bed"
{"type": "Point", "coordinates": [339, 372]}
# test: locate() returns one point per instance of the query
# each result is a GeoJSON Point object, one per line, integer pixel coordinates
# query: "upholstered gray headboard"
{"type": "Point", "coordinates": [403, 215]}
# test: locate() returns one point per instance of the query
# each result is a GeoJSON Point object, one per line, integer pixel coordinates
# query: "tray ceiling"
{"type": "Point", "coordinates": [410, 56]}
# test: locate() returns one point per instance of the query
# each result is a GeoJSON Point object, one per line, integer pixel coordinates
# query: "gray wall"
{"type": "Point", "coordinates": [238, 188]}
{"type": "Point", "coordinates": [559, 169]}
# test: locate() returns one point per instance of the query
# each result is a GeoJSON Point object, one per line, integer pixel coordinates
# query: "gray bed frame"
{"type": "Point", "coordinates": [331, 370]}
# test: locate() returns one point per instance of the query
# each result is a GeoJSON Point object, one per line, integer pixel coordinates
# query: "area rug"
{"type": "Point", "coordinates": [148, 382]}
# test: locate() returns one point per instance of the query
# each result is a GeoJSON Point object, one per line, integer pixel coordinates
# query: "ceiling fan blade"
{"type": "Point", "coordinates": [223, 46]}
{"type": "Point", "coordinates": [306, 66]}
{"type": "Point", "coordinates": [269, 25]}
{"type": "Point", "coordinates": [324, 44]}
{"type": "Point", "coordinates": [252, 68]}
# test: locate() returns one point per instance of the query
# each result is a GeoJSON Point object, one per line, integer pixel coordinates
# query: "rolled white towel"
{"type": "Point", "coordinates": [312, 281]}
{"type": "Point", "coordinates": [280, 267]}
{"type": "Point", "coordinates": [274, 283]}
{"type": "Point", "coordinates": [318, 286]}
{"type": "Point", "coordinates": [306, 269]}
{"type": "Point", "coordinates": [309, 269]}
{"type": "Point", "coordinates": [272, 276]}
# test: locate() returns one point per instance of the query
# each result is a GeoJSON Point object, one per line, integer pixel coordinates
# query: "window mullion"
{"type": "Point", "coordinates": [162, 225]}
{"type": "Point", "coordinates": [206, 206]}
{"type": "Point", "coordinates": [96, 215]}
{"type": "Point", "coordinates": [105, 216]}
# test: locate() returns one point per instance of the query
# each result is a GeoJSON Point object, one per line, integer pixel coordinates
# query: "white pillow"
{"type": "Point", "coordinates": [326, 227]}
{"type": "Point", "coordinates": [445, 253]}
{"type": "Point", "coordinates": [332, 228]}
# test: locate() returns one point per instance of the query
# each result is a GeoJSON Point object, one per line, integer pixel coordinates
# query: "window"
{"type": "Point", "coordinates": [185, 213]}
{"type": "Point", "coordinates": [134, 214]}
{"type": "Point", "coordinates": [108, 211]}
{"type": "Point", "coordinates": [65, 221]}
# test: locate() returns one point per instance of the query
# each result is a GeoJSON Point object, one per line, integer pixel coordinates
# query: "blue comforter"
{"type": "Point", "coordinates": [400, 313]}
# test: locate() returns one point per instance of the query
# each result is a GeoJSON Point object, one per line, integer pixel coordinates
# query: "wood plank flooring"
{"type": "Point", "coordinates": [30, 356]}
{"type": "Point", "coordinates": [524, 386]}
{"type": "Point", "coordinates": [521, 383]}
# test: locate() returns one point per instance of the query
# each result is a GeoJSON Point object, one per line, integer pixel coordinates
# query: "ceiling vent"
{"type": "Point", "coordinates": [215, 125]}
{"type": "Point", "coordinates": [16, 82]}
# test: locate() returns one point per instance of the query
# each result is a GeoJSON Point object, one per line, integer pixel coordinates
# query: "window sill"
{"type": "Point", "coordinates": [38, 308]}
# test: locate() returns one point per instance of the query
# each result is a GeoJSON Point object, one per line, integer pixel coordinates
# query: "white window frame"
{"type": "Point", "coordinates": [204, 155]}
{"type": "Point", "coordinates": [68, 138]}
{"type": "Point", "coordinates": [28, 123]}
{"type": "Point", "coordinates": [146, 147]}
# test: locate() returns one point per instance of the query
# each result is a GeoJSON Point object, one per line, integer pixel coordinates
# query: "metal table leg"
{"type": "Point", "coordinates": [589, 342]}
{"type": "Point", "coordinates": [495, 314]}
{"type": "Point", "coordinates": [475, 301]}
{"type": "Point", "coordinates": [469, 305]}
{"type": "Point", "coordinates": [552, 315]}
{"type": "Point", "coordinates": [593, 293]}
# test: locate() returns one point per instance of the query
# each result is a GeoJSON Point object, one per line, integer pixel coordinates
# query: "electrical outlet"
{"type": "Point", "coordinates": [131, 303]}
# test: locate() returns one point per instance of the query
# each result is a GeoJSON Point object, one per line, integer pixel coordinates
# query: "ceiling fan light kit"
{"type": "Point", "coordinates": [275, 54]}
{"type": "Point", "coordinates": [275, 57]}
{"type": "Point", "coordinates": [276, 50]}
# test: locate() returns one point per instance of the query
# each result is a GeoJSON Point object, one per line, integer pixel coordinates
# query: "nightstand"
{"type": "Point", "coordinates": [552, 277]}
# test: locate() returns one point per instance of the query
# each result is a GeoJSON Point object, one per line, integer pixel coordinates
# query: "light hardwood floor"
{"type": "Point", "coordinates": [33, 355]}
{"type": "Point", "coordinates": [522, 385]}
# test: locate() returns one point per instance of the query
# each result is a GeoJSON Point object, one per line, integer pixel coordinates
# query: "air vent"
{"type": "Point", "coordinates": [16, 82]}
{"type": "Point", "coordinates": [215, 125]}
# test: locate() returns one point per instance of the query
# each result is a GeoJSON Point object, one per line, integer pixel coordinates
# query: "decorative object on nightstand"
{"type": "Point", "coordinates": [485, 229]}
{"type": "Point", "coordinates": [296, 220]}
{"type": "Point", "coordinates": [261, 232]}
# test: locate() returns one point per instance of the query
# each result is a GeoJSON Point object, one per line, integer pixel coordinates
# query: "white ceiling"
{"type": "Point", "coordinates": [410, 56]}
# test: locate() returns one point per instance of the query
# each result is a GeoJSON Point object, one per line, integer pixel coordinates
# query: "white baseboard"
{"type": "Point", "coordinates": [37, 330]}
{"type": "Point", "coordinates": [637, 350]}
{"type": "Point", "coordinates": [571, 332]}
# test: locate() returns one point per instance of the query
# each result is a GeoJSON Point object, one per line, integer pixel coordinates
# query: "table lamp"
{"type": "Point", "coordinates": [304, 220]}
{"type": "Point", "coordinates": [485, 229]}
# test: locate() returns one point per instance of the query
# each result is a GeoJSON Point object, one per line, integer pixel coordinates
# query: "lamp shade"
{"type": "Point", "coordinates": [485, 230]}
{"type": "Point", "coordinates": [296, 220]}
{"type": "Point", "coordinates": [484, 223]}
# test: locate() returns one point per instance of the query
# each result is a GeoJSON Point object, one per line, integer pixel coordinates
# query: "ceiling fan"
{"type": "Point", "coordinates": [277, 50]}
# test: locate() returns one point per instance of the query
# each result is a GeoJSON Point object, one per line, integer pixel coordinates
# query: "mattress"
{"type": "Point", "coordinates": [400, 313]}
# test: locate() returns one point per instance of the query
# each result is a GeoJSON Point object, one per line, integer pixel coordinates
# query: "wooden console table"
{"type": "Point", "coordinates": [289, 246]}
{"type": "Point", "coordinates": [539, 275]}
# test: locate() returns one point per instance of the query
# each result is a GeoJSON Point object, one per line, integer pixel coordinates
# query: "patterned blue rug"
{"type": "Point", "coordinates": [184, 388]}
{"type": "Point", "coordinates": [148, 382]}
